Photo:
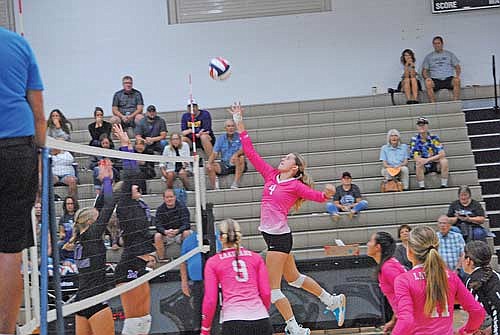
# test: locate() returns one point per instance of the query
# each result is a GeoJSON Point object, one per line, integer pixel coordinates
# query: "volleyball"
{"type": "Point", "coordinates": [219, 68]}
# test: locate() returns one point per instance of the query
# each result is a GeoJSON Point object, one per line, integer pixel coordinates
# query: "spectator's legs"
{"type": "Point", "coordinates": [239, 168]}
{"type": "Point", "coordinates": [360, 206]}
{"type": "Point", "coordinates": [184, 177]}
{"type": "Point", "coordinates": [71, 181]}
{"type": "Point", "coordinates": [138, 118]}
{"type": "Point", "coordinates": [443, 164]}
{"type": "Point", "coordinates": [185, 234]}
{"type": "Point", "coordinates": [429, 85]}
{"type": "Point", "coordinates": [160, 248]}
{"type": "Point", "coordinates": [115, 120]}
{"type": "Point", "coordinates": [414, 89]}
{"type": "Point", "coordinates": [405, 177]}
{"type": "Point", "coordinates": [170, 179]}
{"type": "Point", "coordinates": [419, 171]}
{"type": "Point", "coordinates": [206, 142]}
{"type": "Point", "coordinates": [212, 173]}
{"type": "Point", "coordinates": [11, 291]}
{"type": "Point", "coordinates": [456, 88]}
{"type": "Point", "coordinates": [407, 88]}
{"type": "Point", "coordinates": [385, 174]}
{"type": "Point", "coordinates": [332, 209]}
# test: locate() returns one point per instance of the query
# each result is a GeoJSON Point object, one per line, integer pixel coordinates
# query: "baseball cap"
{"type": "Point", "coordinates": [422, 120]}
{"type": "Point", "coordinates": [151, 108]}
{"type": "Point", "coordinates": [346, 174]}
{"type": "Point", "coordinates": [193, 101]}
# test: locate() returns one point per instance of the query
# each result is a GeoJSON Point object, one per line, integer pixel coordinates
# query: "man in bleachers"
{"type": "Point", "coordinates": [394, 157]}
{"type": "Point", "coordinates": [429, 154]}
{"type": "Point", "coordinates": [441, 70]}
{"type": "Point", "coordinates": [451, 244]}
{"type": "Point", "coordinates": [172, 223]}
{"type": "Point", "coordinates": [204, 135]}
{"type": "Point", "coordinates": [347, 198]}
{"type": "Point", "coordinates": [127, 105]}
{"type": "Point", "coordinates": [63, 170]}
{"type": "Point", "coordinates": [153, 130]}
{"type": "Point", "coordinates": [228, 145]}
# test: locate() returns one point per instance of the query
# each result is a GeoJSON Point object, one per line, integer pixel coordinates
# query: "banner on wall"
{"type": "Point", "coordinates": [443, 6]}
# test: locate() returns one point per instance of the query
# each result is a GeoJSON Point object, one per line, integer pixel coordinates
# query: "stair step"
{"type": "Point", "coordinates": [481, 114]}
{"type": "Point", "coordinates": [484, 127]}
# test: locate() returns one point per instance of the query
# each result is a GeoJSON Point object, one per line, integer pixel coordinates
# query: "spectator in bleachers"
{"type": "Point", "coordinates": [400, 253]}
{"type": "Point", "coordinates": [347, 198]}
{"type": "Point", "coordinates": [232, 161]}
{"type": "Point", "coordinates": [63, 170]}
{"type": "Point", "coordinates": [66, 223]}
{"type": "Point", "coordinates": [394, 157]}
{"type": "Point", "coordinates": [202, 128]}
{"type": "Point", "coordinates": [153, 130]}
{"type": "Point", "coordinates": [146, 168]}
{"type": "Point", "coordinates": [451, 244]}
{"type": "Point", "coordinates": [128, 105]}
{"type": "Point", "coordinates": [99, 127]}
{"type": "Point", "coordinates": [410, 83]}
{"type": "Point", "coordinates": [58, 126]}
{"type": "Point", "coordinates": [172, 170]}
{"type": "Point", "coordinates": [172, 223]}
{"type": "Point", "coordinates": [467, 216]}
{"type": "Point", "coordinates": [441, 70]}
{"type": "Point", "coordinates": [429, 154]}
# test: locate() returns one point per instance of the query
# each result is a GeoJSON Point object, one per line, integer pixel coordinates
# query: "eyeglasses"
{"type": "Point", "coordinates": [127, 83]}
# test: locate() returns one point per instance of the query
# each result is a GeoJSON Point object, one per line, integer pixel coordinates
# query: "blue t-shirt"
{"type": "Point", "coordinates": [226, 147]}
{"type": "Point", "coordinates": [194, 269]}
{"type": "Point", "coordinates": [394, 156]}
{"type": "Point", "coordinates": [18, 73]}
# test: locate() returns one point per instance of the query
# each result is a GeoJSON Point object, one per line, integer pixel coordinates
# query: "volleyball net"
{"type": "Point", "coordinates": [43, 301]}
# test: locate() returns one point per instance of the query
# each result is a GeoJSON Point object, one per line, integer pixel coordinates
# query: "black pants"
{"type": "Point", "coordinates": [243, 327]}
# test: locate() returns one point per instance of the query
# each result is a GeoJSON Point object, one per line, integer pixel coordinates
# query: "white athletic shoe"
{"type": "Point", "coordinates": [298, 331]}
{"type": "Point", "coordinates": [337, 306]}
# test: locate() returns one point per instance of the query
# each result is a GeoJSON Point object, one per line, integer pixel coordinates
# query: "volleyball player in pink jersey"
{"type": "Point", "coordinates": [244, 282]}
{"type": "Point", "coordinates": [381, 247]}
{"type": "Point", "coordinates": [285, 187]}
{"type": "Point", "coordinates": [426, 294]}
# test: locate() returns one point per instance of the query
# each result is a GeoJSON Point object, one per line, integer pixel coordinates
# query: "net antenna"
{"type": "Point", "coordinates": [193, 135]}
{"type": "Point", "coordinates": [37, 313]}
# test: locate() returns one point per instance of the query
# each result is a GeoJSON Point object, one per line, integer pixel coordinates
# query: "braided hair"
{"type": "Point", "coordinates": [231, 235]}
{"type": "Point", "coordinates": [479, 252]}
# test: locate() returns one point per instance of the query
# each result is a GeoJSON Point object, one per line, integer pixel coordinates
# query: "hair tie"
{"type": "Point", "coordinates": [430, 248]}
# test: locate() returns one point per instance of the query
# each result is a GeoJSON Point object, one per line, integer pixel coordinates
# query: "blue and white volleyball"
{"type": "Point", "coordinates": [219, 68]}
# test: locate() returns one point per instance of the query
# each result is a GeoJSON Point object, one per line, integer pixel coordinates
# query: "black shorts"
{"type": "Point", "coordinates": [226, 169]}
{"type": "Point", "coordinates": [281, 243]}
{"type": "Point", "coordinates": [89, 312]}
{"type": "Point", "coordinates": [400, 86]}
{"type": "Point", "coordinates": [198, 141]}
{"type": "Point", "coordinates": [247, 327]}
{"type": "Point", "coordinates": [431, 167]}
{"type": "Point", "coordinates": [130, 269]}
{"type": "Point", "coordinates": [18, 185]}
{"type": "Point", "coordinates": [442, 84]}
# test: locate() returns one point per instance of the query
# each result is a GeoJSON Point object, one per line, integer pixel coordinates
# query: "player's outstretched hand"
{"type": "Point", "coordinates": [237, 112]}
{"type": "Point", "coordinates": [105, 169]}
{"type": "Point", "coordinates": [121, 134]}
{"type": "Point", "coordinates": [329, 191]}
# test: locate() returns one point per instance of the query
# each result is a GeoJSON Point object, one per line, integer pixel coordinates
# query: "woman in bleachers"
{"type": "Point", "coordinates": [409, 83]}
{"type": "Point", "coordinates": [171, 170]}
{"type": "Point", "coordinates": [401, 250]}
{"type": "Point", "coordinates": [58, 126]}
{"type": "Point", "coordinates": [381, 247]}
{"type": "Point", "coordinates": [98, 128]}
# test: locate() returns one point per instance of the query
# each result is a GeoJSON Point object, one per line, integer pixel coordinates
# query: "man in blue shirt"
{"type": "Point", "coordinates": [394, 155]}
{"type": "Point", "coordinates": [22, 129]}
{"type": "Point", "coordinates": [228, 145]}
{"type": "Point", "coordinates": [192, 270]}
{"type": "Point", "coordinates": [441, 70]}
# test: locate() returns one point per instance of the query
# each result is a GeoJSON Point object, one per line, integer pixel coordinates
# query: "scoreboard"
{"type": "Point", "coordinates": [441, 6]}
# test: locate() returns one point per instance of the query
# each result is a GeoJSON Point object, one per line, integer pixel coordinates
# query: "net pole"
{"type": "Point", "coordinates": [55, 256]}
{"type": "Point", "coordinates": [495, 108]}
{"type": "Point", "coordinates": [193, 135]}
{"type": "Point", "coordinates": [44, 244]}
{"type": "Point", "coordinates": [197, 188]}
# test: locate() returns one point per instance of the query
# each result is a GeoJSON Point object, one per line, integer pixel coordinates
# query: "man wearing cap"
{"type": "Point", "coordinates": [441, 70]}
{"type": "Point", "coordinates": [127, 104]}
{"type": "Point", "coordinates": [394, 157]}
{"type": "Point", "coordinates": [347, 198]}
{"type": "Point", "coordinates": [428, 153]}
{"type": "Point", "coordinates": [202, 127]}
{"type": "Point", "coordinates": [153, 130]}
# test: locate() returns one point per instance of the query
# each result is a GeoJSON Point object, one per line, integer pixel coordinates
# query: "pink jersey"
{"type": "Point", "coordinates": [278, 196]}
{"type": "Point", "coordinates": [390, 270]}
{"type": "Point", "coordinates": [245, 287]}
{"type": "Point", "coordinates": [410, 297]}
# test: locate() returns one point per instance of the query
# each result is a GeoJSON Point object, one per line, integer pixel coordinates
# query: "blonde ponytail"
{"type": "Point", "coordinates": [303, 176]}
{"type": "Point", "coordinates": [83, 218]}
{"type": "Point", "coordinates": [231, 234]}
